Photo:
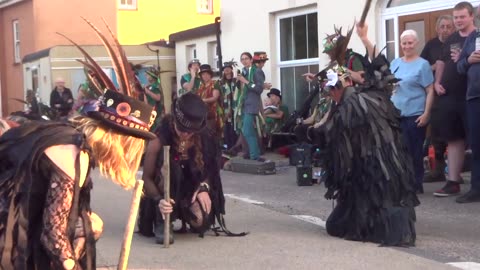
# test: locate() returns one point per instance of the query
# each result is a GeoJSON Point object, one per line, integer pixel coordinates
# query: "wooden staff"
{"type": "Point", "coordinates": [127, 237]}
{"type": "Point", "coordinates": [365, 12]}
{"type": "Point", "coordinates": [166, 190]}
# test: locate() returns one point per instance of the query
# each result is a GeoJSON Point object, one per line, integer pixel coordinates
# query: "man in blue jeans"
{"type": "Point", "coordinates": [253, 81]}
{"type": "Point", "coordinates": [469, 64]}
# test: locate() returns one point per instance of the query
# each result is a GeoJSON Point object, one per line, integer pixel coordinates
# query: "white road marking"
{"type": "Point", "coordinates": [244, 199]}
{"type": "Point", "coordinates": [466, 265]}
{"type": "Point", "coordinates": [314, 220]}
{"type": "Point", "coordinates": [311, 219]}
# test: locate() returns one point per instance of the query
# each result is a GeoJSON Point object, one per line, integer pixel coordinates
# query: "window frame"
{"type": "Point", "coordinates": [213, 55]}
{"type": "Point", "coordinates": [133, 6]}
{"type": "Point", "coordinates": [293, 63]}
{"type": "Point", "coordinates": [387, 13]}
{"type": "Point", "coordinates": [16, 41]}
{"type": "Point", "coordinates": [191, 52]}
{"type": "Point", "coordinates": [208, 10]}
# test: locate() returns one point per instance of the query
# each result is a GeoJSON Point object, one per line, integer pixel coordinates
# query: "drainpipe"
{"type": "Point", "coordinates": [157, 51]}
{"type": "Point", "coordinates": [219, 44]}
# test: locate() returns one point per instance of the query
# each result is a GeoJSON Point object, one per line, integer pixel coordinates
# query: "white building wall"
{"type": "Point", "coordinates": [42, 66]}
{"type": "Point", "coordinates": [182, 54]}
{"type": "Point", "coordinates": [250, 25]}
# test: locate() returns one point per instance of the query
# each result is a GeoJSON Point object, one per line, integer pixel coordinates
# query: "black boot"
{"type": "Point", "coordinates": [159, 229]}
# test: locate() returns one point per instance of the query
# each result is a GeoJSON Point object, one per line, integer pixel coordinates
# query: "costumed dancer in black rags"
{"type": "Point", "coordinates": [195, 183]}
{"type": "Point", "coordinates": [45, 216]}
{"type": "Point", "coordinates": [368, 169]}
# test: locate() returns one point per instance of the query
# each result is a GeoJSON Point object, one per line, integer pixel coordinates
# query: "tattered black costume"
{"type": "Point", "coordinates": [185, 178]}
{"type": "Point", "coordinates": [368, 170]}
{"type": "Point", "coordinates": [37, 222]}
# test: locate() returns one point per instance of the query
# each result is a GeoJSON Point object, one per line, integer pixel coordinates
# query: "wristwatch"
{"type": "Point", "coordinates": [204, 187]}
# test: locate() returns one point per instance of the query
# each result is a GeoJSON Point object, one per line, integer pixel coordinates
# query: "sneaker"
{"type": "Point", "coordinates": [471, 196]}
{"type": "Point", "coordinates": [450, 188]}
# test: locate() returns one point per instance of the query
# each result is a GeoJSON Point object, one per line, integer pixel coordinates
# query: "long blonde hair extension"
{"type": "Point", "coordinates": [117, 155]}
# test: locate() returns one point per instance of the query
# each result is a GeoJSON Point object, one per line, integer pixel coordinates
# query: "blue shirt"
{"type": "Point", "coordinates": [410, 95]}
{"type": "Point", "coordinates": [472, 70]}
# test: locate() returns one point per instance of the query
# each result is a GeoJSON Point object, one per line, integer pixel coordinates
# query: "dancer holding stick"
{"type": "Point", "coordinates": [45, 171]}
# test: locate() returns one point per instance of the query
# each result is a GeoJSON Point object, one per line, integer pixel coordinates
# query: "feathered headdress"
{"type": "Point", "coordinates": [335, 45]}
{"type": "Point", "coordinates": [378, 75]}
{"type": "Point", "coordinates": [116, 108]}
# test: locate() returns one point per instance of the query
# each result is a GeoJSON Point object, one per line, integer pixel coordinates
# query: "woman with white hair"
{"type": "Point", "coordinates": [413, 96]}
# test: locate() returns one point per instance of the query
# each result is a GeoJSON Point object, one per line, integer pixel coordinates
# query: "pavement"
{"type": "Point", "coordinates": [285, 228]}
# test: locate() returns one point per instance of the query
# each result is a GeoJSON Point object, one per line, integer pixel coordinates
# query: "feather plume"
{"type": "Point", "coordinates": [127, 73]}
{"type": "Point", "coordinates": [117, 67]}
{"type": "Point", "coordinates": [95, 68]}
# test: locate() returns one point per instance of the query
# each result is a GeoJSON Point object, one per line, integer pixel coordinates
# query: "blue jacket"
{"type": "Point", "coordinates": [254, 90]}
{"type": "Point", "coordinates": [472, 70]}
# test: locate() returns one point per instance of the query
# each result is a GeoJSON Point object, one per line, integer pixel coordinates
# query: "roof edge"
{"type": "Point", "coordinates": [201, 31]}
{"type": "Point", "coordinates": [7, 3]}
{"type": "Point", "coordinates": [36, 55]}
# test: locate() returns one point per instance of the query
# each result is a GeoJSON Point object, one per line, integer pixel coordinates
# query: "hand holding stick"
{"type": "Point", "coordinates": [166, 188]}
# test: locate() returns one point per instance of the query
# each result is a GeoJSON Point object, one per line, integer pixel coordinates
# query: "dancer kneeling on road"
{"type": "Point", "coordinates": [195, 184]}
{"type": "Point", "coordinates": [368, 171]}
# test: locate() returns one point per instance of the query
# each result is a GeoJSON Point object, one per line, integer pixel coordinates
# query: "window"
{"type": "Point", "coordinates": [128, 4]}
{"type": "Point", "coordinates": [390, 39]}
{"type": "Point", "coordinates": [191, 52]}
{"type": "Point", "coordinates": [16, 41]}
{"type": "Point", "coordinates": [297, 37]}
{"type": "Point", "coordinates": [295, 89]}
{"type": "Point", "coordinates": [397, 3]}
{"type": "Point", "coordinates": [213, 56]}
{"type": "Point", "coordinates": [205, 6]}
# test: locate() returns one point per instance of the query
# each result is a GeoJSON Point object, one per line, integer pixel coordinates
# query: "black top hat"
{"type": "Point", "coordinates": [193, 61]}
{"type": "Point", "coordinates": [190, 113]}
{"type": "Point", "coordinates": [276, 92]}
{"type": "Point", "coordinates": [122, 113]}
{"type": "Point", "coordinates": [206, 68]}
{"type": "Point", "coordinates": [153, 72]}
{"type": "Point", "coordinates": [259, 57]}
{"type": "Point", "coordinates": [229, 64]}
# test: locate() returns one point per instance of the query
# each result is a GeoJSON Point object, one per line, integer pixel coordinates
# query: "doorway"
{"type": "Point", "coordinates": [423, 23]}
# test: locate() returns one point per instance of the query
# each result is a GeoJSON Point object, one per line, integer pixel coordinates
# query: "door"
{"type": "Point", "coordinates": [423, 23]}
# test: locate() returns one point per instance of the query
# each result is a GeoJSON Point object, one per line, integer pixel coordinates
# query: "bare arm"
{"type": "Point", "coordinates": [275, 115]}
{"type": "Point", "coordinates": [149, 166]}
{"type": "Point", "coordinates": [310, 120]}
{"type": "Point", "coordinates": [362, 34]}
{"type": "Point", "coordinates": [423, 119]}
{"type": "Point", "coordinates": [440, 67]}
{"type": "Point", "coordinates": [189, 85]}
{"type": "Point", "coordinates": [59, 203]}
{"type": "Point", "coordinates": [214, 98]}
{"type": "Point", "coordinates": [156, 97]}
{"type": "Point", "coordinates": [430, 97]}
